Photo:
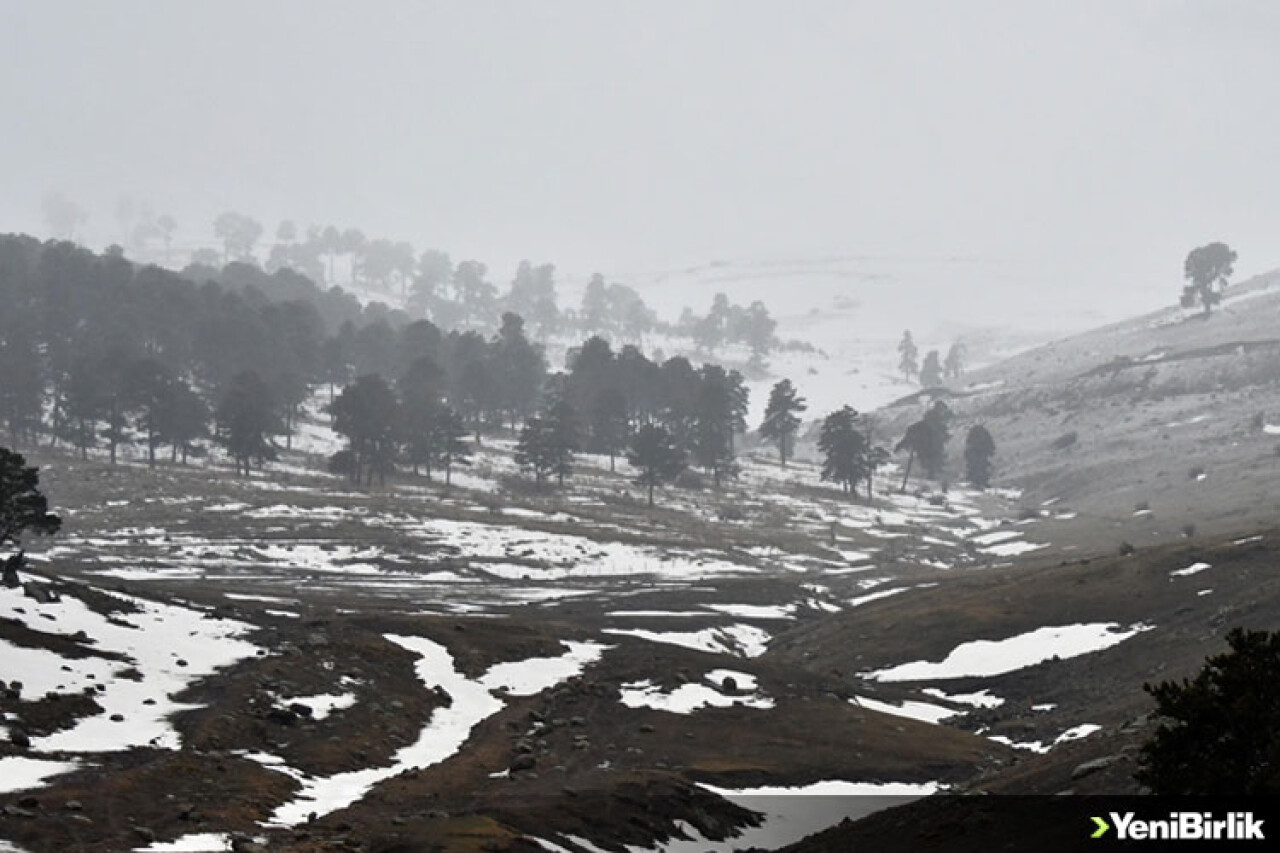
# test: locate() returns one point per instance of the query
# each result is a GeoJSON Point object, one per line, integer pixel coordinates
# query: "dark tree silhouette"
{"type": "Point", "coordinates": [926, 439]}
{"type": "Point", "coordinates": [781, 418]}
{"type": "Point", "coordinates": [717, 415]}
{"type": "Point", "coordinates": [23, 509]}
{"type": "Point", "coordinates": [979, 448]}
{"type": "Point", "coordinates": [247, 420]}
{"type": "Point", "coordinates": [610, 427]}
{"type": "Point", "coordinates": [1207, 269]}
{"type": "Point", "coordinates": [931, 370]}
{"type": "Point", "coordinates": [908, 356]}
{"type": "Point", "coordinates": [847, 455]}
{"type": "Point", "coordinates": [655, 453]}
{"type": "Point", "coordinates": [1219, 732]}
{"type": "Point", "coordinates": [953, 366]}
{"type": "Point", "coordinates": [547, 443]}
{"type": "Point", "coordinates": [368, 414]}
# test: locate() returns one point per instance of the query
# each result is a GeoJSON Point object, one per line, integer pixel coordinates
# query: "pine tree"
{"type": "Point", "coordinates": [926, 439]}
{"type": "Point", "coordinates": [368, 414]}
{"type": "Point", "coordinates": [449, 443]}
{"type": "Point", "coordinates": [931, 371]}
{"type": "Point", "coordinates": [979, 447]}
{"type": "Point", "coordinates": [844, 450]}
{"type": "Point", "coordinates": [23, 508]}
{"type": "Point", "coordinates": [22, 378]}
{"type": "Point", "coordinates": [246, 420]}
{"type": "Point", "coordinates": [1219, 732]}
{"type": "Point", "coordinates": [717, 415]}
{"type": "Point", "coordinates": [781, 420]}
{"type": "Point", "coordinates": [610, 426]}
{"type": "Point", "coordinates": [655, 453]}
{"type": "Point", "coordinates": [908, 363]}
{"type": "Point", "coordinates": [547, 444]}
{"type": "Point", "coordinates": [953, 367]}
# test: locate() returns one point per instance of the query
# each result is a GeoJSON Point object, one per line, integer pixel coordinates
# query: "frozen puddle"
{"type": "Point", "coordinates": [688, 698]}
{"type": "Point", "coordinates": [448, 728]}
{"type": "Point", "coordinates": [982, 658]}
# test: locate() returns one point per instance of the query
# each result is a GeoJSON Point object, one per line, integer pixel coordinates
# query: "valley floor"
{"type": "Point", "coordinates": [211, 660]}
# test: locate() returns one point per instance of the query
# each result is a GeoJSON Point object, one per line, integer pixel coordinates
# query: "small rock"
{"type": "Point", "coordinates": [646, 728]}
{"type": "Point", "coordinates": [117, 718]}
{"type": "Point", "coordinates": [73, 806]}
{"type": "Point", "coordinates": [19, 738]}
{"type": "Point", "coordinates": [523, 762]}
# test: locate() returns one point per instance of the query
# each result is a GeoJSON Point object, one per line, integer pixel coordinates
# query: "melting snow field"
{"type": "Point", "coordinates": [995, 657]}
{"type": "Point", "coordinates": [741, 640]}
{"type": "Point", "coordinates": [447, 730]}
{"type": "Point", "coordinates": [688, 698]}
{"type": "Point", "coordinates": [168, 646]}
{"type": "Point", "coordinates": [18, 773]}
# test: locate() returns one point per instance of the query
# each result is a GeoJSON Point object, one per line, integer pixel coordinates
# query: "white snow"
{"type": "Point", "coordinates": [322, 705]}
{"type": "Point", "coordinates": [448, 728]}
{"type": "Point", "coordinates": [1078, 732]}
{"type": "Point", "coordinates": [204, 842]}
{"type": "Point", "coordinates": [872, 596]}
{"type": "Point", "coordinates": [1194, 568]}
{"type": "Point", "coordinates": [922, 711]}
{"type": "Point", "coordinates": [1013, 549]}
{"type": "Point", "coordinates": [169, 646]}
{"type": "Point", "coordinates": [757, 611]}
{"type": "Point", "coordinates": [995, 657]}
{"type": "Point", "coordinates": [687, 698]}
{"type": "Point", "coordinates": [981, 699]}
{"type": "Point", "coordinates": [741, 640]}
{"type": "Point", "coordinates": [532, 676]}
{"type": "Point", "coordinates": [18, 773]}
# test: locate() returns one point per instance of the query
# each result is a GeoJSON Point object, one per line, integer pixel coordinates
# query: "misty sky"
{"type": "Point", "coordinates": [1100, 138]}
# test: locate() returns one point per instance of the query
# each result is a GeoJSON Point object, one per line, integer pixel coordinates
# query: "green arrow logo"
{"type": "Point", "coordinates": [1103, 826]}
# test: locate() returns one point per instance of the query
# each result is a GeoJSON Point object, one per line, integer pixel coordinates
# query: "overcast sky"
{"type": "Point", "coordinates": [632, 135]}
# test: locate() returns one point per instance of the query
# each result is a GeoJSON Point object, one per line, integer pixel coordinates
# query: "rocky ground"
{"type": "Point", "coordinates": [599, 664]}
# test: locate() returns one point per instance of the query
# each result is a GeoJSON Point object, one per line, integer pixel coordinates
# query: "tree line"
{"type": "Point", "coordinates": [430, 284]}
{"type": "Point", "coordinates": [96, 352]}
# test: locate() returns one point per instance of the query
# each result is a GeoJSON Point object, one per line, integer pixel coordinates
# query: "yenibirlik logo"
{"type": "Point", "coordinates": [1181, 826]}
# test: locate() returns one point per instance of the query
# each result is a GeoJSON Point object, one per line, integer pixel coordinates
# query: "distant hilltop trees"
{"type": "Point", "coordinates": [428, 284]}
{"type": "Point", "coordinates": [1206, 270]}
{"type": "Point", "coordinates": [935, 370]}
{"type": "Point", "coordinates": [99, 354]}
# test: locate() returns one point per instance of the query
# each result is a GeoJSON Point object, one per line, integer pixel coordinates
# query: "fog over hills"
{"type": "Point", "coordinates": [649, 426]}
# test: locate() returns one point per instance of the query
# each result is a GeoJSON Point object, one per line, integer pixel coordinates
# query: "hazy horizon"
{"type": "Point", "coordinates": [1088, 147]}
